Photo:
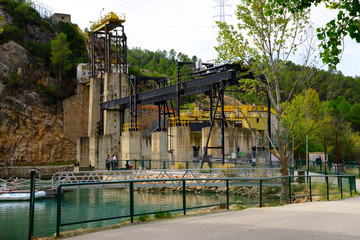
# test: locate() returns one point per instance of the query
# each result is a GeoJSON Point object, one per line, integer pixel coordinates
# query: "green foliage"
{"type": "Point", "coordinates": [60, 53]}
{"type": "Point", "coordinates": [143, 218]}
{"type": "Point", "coordinates": [14, 78]}
{"type": "Point", "coordinates": [23, 14]}
{"type": "Point", "coordinates": [263, 41]}
{"type": "Point", "coordinates": [76, 41]}
{"type": "Point", "coordinates": [42, 51]}
{"type": "Point", "coordinates": [161, 62]}
{"type": "Point", "coordinates": [331, 35]}
{"type": "Point", "coordinates": [163, 215]}
{"type": "Point", "coordinates": [12, 33]}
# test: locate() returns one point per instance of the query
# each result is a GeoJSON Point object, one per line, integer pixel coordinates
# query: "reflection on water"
{"type": "Point", "coordinates": [87, 204]}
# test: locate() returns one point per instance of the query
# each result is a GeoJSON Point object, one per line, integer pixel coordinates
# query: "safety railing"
{"type": "Point", "coordinates": [127, 127]}
{"type": "Point", "coordinates": [151, 164]}
{"type": "Point", "coordinates": [261, 192]}
{"type": "Point", "coordinates": [179, 121]}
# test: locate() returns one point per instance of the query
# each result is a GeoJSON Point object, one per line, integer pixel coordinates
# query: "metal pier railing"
{"type": "Point", "coordinates": [162, 176]}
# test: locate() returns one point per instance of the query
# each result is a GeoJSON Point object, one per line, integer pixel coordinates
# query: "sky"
{"type": "Point", "coordinates": [187, 26]}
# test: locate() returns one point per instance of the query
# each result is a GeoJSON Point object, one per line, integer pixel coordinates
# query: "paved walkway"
{"type": "Point", "coordinates": [316, 220]}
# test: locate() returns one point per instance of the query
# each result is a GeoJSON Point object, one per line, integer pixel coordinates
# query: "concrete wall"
{"type": "Point", "coordinates": [99, 147]}
{"type": "Point", "coordinates": [82, 150]}
{"type": "Point", "coordinates": [179, 141]}
{"type": "Point", "coordinates": [240, 137]}
{"type": "Point", "coordinates": [131, 145]}
{"type": "Point", "coordinates": [146, 147]}
{"type": "Point", "coordinates": [94, 105]}
{"type": "Point", "coordinates": [159, 146]}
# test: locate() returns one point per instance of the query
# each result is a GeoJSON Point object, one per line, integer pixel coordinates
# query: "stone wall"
{"type": "Point", "coordinates": [76, 114]}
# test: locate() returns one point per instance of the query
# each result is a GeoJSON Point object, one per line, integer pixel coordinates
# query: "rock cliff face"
{"type": "Point", "coordinates": [30, 130]}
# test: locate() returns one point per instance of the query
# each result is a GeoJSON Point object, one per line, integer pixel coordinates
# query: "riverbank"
{"type": "Point", "coordinates": [42, 172]}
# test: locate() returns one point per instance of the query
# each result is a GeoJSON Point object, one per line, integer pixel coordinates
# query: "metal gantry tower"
{"type": "Point", "coordinates": [222, 14]}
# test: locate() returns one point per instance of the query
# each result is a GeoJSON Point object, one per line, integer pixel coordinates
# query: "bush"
{"type": "Point", "coordinates": [14, 78]}
{"type": "Point", "coordinates": [12, 33]}
{"type": "Point", "coordinates": [163, 215]}
{"type": "Point", "coordinates": [143, 218]}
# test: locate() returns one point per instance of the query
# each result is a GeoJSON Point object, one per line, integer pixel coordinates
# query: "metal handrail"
{"type": "Point", "coordinates": [184, 183]}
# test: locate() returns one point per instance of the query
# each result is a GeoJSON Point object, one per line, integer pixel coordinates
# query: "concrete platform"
{"type": "Point", "coordinates": [316, 220]}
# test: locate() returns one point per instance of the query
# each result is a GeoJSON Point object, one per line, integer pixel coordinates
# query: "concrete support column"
{"type": "Point", "coordinates": [82, 151]}
{"type": "Point", "coordinates": [214, 141]}
{"type": "Point", "coordinates": [99, 147]}
{"type": "Point", "coordinates": [94, 105]}
{"type": "Point", "coordinates": [159, 149]}
{"type": "Point", "coordinates": [179, 141]}
{"type": "Point", "coordinates": [131, 145]}
{"type": "Point", "coordinates": [234, 137]}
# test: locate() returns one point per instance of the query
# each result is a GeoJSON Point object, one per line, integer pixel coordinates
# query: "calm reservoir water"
{"type": "Point", "coordinates": [87, 204]}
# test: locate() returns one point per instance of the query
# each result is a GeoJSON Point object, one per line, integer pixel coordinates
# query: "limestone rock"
{"type": "Point", "coordinates": [31, 132]}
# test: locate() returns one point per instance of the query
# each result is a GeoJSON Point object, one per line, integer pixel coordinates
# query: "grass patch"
{"type": "Point", "coordinates": [163, 215]}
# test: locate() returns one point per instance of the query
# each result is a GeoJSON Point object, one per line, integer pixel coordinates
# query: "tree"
{"type": "Point", "coordinates": [271, 36]}
{"type": "Point", "coordinates": [332, 35]}
{"type": "Point", "coordinates": [60, 53]}
{"type": "Point", "coordinates": [311, 120]}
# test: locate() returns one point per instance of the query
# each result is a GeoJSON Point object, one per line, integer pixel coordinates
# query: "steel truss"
{"type": "Point", "coordinates": [198, 175]}
{"type": "Point", "coordinates": [213, 82]}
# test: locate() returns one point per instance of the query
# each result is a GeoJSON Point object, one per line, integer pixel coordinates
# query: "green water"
{"type": "Point", "coordinates": [88, 204]}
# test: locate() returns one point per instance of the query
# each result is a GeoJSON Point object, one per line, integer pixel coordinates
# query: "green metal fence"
{"type": "Point", "coordinates": [258, 192]}
{"type": "Point", "coordinates": [166, 164]}
{"type": "Point", "coordinates": [344, 166]}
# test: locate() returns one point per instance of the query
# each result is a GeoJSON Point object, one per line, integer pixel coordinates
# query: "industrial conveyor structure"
{"type": "Point", "coordinates": [213, 82]}
{"type": "Point", "coordinates": [120, 95]}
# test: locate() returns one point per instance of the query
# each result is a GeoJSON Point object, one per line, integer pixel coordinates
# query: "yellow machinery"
{"type": "Point", "coordinates": [255, 115]}
{"type": "Point", "coordinates": [109, 19]}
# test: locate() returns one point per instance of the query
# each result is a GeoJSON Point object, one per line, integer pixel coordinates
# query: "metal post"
{"type": "Point", "coordinates": [184, 197]}
{"type": "Point", "coordinates": [290, 190]}
{"type": "Point", "coordinates": [269, 127]}
{"type": "Point", "coordinates": [208, 138]}
{"type": "Point", "coordinates": [341, 187]}
{"type": "Point", "coordinates": [260, 192]}
{"type": "Point", "coordinates": [325, 152]}
{"type": "Point", "coordinates": [222, 124]}
{"type": "Point", "coordinates": [32, 203]}
{"type": "Point", "coordinates": [327, 186]}
{"type": "Point", "coordinates": [354, 180]}
{"type": "Point", "coordinates": [211, 104]}
{"type": "Point", "coordinates": [227, 195]}
{"type": "Point", "coordinates": [178, 90]}
{"type": "Point", "coordinates": [132, 201]}
{"type": "Point", "coordinates": [164, 116]}
{"type": "Point", "coordinates": [337, 154]}
{"type": "Point", "coordinates": [310, 189]}
{"type": "Point", "coordinates": [292, 155]}
{"type": "Point", "coordinates": [307, 152]}
{"type": "Point", "coordinates": [159, 117]}
{"type": "Point", "coordinates": [58, 219]}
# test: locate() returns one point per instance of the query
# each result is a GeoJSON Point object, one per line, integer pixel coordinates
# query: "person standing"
{"type": "Point", "coordinates": [113, 162]}
{"type": "Point", "coordinates": [107, 162]}
{"type": "Point", "coordinates": [318, 162]}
